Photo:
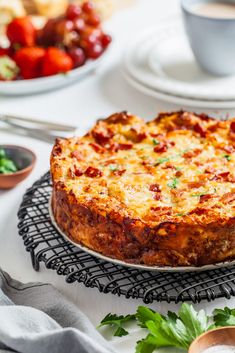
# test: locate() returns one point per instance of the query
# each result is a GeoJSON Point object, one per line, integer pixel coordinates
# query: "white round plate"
{"type": "Point", "coordinates": [137, 266]}
{"type": "Point", "coordinates": [44, 84]}
{"type": "Point", "coordinates": [161, 59]}
{"type": "Point", "coordinates": [183, 102]}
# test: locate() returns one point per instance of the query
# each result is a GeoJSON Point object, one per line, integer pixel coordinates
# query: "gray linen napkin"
{"type": "Point", "coordinates": [36, 318]}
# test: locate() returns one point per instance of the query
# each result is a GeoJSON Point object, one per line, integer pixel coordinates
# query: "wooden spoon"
{"type": "Point", "coordinates": [216, 337]}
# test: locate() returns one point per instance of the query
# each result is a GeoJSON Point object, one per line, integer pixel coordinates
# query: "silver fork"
{"type": "Point", "coordinates": [39, 129]}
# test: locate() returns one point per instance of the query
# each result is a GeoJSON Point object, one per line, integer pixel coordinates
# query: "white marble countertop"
{"type": "Point", "coordinates": [100, 94]}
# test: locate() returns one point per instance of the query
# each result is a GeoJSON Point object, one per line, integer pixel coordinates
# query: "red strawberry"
{"type": "Point", "coordinates": [56, 61]}
{"type": "Point", "coordinates": [21, 31]}
{"type": "Point", "coordinates": [4, 51]}
{"type": "Point", "coordinates": [29, 60]}
{"type": "Point", "coordinates": [10, 51]}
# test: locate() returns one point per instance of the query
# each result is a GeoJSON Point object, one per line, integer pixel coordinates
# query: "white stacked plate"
{"type": "Point", "coordinates": [161, 64]}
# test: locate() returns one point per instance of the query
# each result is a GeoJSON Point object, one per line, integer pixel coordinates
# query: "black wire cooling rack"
{"type": "Point", "coordinates": [46, 245]}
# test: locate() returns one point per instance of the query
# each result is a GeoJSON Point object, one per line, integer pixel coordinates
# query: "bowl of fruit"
{"type": "Point", "coordinates": [65, 49]}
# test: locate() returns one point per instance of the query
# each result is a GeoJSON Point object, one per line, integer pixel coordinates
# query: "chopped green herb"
{"type": "Point", "coordinates": [173, 183]}
{"type": "Point", "coordinates": [228, 157]}
{"type": "Point", "coordinates": [144, 157]}
{"type": "Point", "coordinates": [167, 159]}
{"type": "Point", "coordinates": [199, 171]}
{"type": "Point", "coordinates": [162, 160]}
{"type": "Point", "coordinates": [181, 214]}
{"type": "Point", "coordinates": [113, 167]}
{"type": "Point", "coordinates": [186, 150]}
{"type": "Point", "coordinates": [198, 195]}
{"type": "Point", "coordinates": [155, 142]}
{"type": "Point", "coordinates": [6, 165]}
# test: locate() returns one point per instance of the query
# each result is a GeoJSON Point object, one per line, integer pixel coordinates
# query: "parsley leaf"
{"type": "Point", "coordinates": [113, 167]}
{"type": "Point", "coordinates": [228, 157]}
{"type": "Point", "coordinates": [224, 317]}
{"type": "Point", "coordinates": [199, 194]}
{"type": "Point", "coordinates": [146, 345]}
{"type": "Point", "coordinates": [195, 322]}
{"type": "Point", "coordinates": [167, 159]}
{"type": "Point", "coordinates": [172, 330]}
{"type": "Point", "coordinates": [2, 153]}
{"type": "Point", "coordinates": [163, 160]}
{"type": "Point", "coordinates": [173, 183]}
{"type": "Point", "coordinates": [117, 322]}
{"type": "Point", "coordinates": [145, 314]}
{"type": "Point", "coordinates": [155, 142]}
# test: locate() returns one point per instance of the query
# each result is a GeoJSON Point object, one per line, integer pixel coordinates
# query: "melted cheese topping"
{"type": "Point", "coordinates": [175, 166]}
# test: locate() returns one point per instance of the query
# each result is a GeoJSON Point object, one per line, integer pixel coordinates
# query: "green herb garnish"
{"type": "Point", "coordinates": [6, 165]}
{"type": "Point", "coordinates": [117, 322]}
{"type": "Point", "coordinates": [2, 153]}
{"type": "Point", "coordinates": [173, 330]}
{"type": "Point", "coordinates": [167, 159]}
{"type": "Point", "coordinates": [198, 171]}
{"type": "Point", "coordinates": [185, 150]}
{"type": "Point", "coordinates": [155, 142]}
{"type": "Point", "coordinates": [224, 317]}
{"type": "Point", "coordinates": [163, 160]}
{"type": "Point", "coordinates": [173, 183]}
{"type": "Point", "coordinates": [113, 167]}
{"type": "Point", "coordinates": [228, 157]}
{"type": "Point", "coordinates": [199, 194]}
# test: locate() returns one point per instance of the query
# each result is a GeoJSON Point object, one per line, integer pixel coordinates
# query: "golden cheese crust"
{"type": "Point", "coordinates": [157, 193]}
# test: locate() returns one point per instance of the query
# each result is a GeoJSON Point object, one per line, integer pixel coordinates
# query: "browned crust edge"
{"type": "Point", "coordinates": [131, 241]}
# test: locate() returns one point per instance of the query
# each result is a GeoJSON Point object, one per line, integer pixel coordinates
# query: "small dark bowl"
{"type": "Point", "coordinates": [25, 160]}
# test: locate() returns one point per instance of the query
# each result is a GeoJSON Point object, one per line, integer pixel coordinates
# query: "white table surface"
{"type": "Point", "coordinates": [100, 94]}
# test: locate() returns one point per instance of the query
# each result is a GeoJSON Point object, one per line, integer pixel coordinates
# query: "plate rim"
{"type": "Point", "coordinates": [47, 83]}
{"type": "Point", "coordinates": [168, 269]}
{"type": "Point", "coordinates": [178, 100]}
{"type": "Point", "coordinates": [128, 63]}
